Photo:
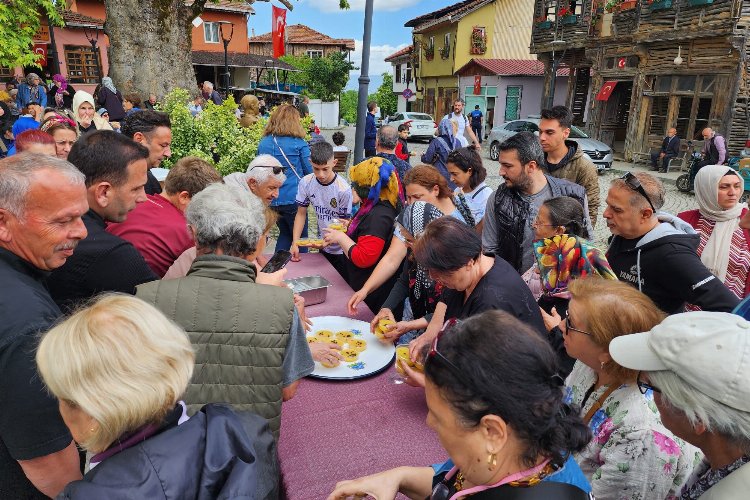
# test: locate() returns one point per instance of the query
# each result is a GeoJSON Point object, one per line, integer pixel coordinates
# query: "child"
{"type": "Point", "coordinates": [330, 195]}
{"type": "Point", "coordinates": [338, 141]}
{"type": "Point", "coordinates": [402, 148]}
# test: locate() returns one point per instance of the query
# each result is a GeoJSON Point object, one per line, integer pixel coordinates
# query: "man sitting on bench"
{"type": "Point", "coordinates": [670, 148]}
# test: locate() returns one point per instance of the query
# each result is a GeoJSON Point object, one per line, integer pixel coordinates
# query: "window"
{"type": "Point", "coordinates": [447, 40]}
{"type": "Point", "coordinates": [398, 73]}
{"type": "Point", "coordinates": [515, 127]}
{"type": "Point", "coordinates": [83, 64]}
{"type": "Point", "coordinates": [407, 77]}
{"type": "Point", "coordinates": [659, 108]}
{"type": "Point", "coordinates": [512, 103]}
{"type": "Point", "coordinates": [6, 73]}
{"type": "Point", "coordinates": [314, 54]}
{"type": "Point", "coordinates": [211, 32]}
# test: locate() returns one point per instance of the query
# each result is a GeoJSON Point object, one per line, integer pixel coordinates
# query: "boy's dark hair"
{"type": "Point", "coordinates": [338, 138]}
{"type": "Point", "coordinates": [145, 122]}
{"type": "Point", "coordinates": [371, 106]}
{"type": "Point", "coordinates": [321, 152]}
{"type": "Point", "coordinates": [403, 127]}
{"type": "Point", "coordinates": [134, 99]}
{"type": "Point", "coordinates": [104, 155]}
{"type": "Point", "coordinates": [560, 113]}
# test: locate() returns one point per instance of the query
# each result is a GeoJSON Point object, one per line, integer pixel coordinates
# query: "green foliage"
{"type": "Point", "coordinates": [19, 21]}
{"type": "Point", "coordinates": [215, 134]}
{"type": "Point", "coordinates": [323, 77]}
{"type": "Point", "coordinates": [348, 105]}
{"type": "Point", "coordinates": [385, 97]}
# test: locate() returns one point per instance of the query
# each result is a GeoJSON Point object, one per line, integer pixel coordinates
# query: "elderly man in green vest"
{"type": "Point", "coordinates": [250, 344]}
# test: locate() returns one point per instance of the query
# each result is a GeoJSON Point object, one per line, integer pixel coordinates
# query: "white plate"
{"type": "Point", "coordinates": [373, 360]}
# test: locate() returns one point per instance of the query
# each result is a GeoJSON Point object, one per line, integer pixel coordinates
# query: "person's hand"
{"type": "Point", "coordinates": [394, 331]}
{"type": "Point", "coordinates": [413, 377]}
{"type": "Point", "coordinates": [354, 301]}
{"type": "Point", "coordinates": [299, 303]}
{"type": "Point", "coordinates": [477, 146]}
{"type": "Point", "coordinates": [384, 313]}
{"type": "Point", "coordinates": [324, 352]}
{"type": "Point", "coordinates": [275, 279]}
{"type": "Point", "coordinates": [550, 320]}
{"type": "Point", "coordinates": [294, 250]}
{"type": "Point", "coordinates": [381, 486]}
{"type": "Point", "coordinates": [417, 345]}
{"type": "Point", "coordinates": [333, 237]}
{"type": "Point", "coordinates": [661, 155]}
{"type": "Point", "coordinates": [115, 125]}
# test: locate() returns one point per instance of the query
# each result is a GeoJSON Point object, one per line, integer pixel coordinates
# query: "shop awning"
{"type": "Point", "coordinates": [606, 90]}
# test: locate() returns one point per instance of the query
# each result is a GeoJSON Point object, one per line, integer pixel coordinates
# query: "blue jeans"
{"type": "Point", "coordinates": [285, 223]}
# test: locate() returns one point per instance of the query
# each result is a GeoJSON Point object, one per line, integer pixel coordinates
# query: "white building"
{"type": "Point", "coordinates": [403, 78]}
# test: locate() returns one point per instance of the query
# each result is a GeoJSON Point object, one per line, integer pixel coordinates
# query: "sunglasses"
{"type": "Point", "coordinates": [276, 170]}
{"type": "Point", "coordinates": [645, 386]}
{"type": "Point", "coordinates": [568, 326]}
{"type": "Point", "coordinates": [634, 184]}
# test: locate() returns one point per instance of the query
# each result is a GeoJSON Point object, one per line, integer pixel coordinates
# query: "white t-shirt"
{"type": "Point", "coordinates": [462, 122]}
{"type": "Point", "coordinates": [331, 201]}
{"type": "Point", "coordinates": [477, 200]}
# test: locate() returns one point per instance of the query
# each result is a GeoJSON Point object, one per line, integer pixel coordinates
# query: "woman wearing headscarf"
{"type": "Point", "coordinates": [31, 90]}
{"type": "Point", "coordinates": [724, 246]}
{"type": "Point", "coordinates": [87, 118]}
{"type": "Point", "coordinates": [111, 98]}
{"type": "Point", "coordinates": [439, 148]}
{"type": "Point", "coordinates": [375, 184]}
{"type": "Point", "coordinates": [60, 94]}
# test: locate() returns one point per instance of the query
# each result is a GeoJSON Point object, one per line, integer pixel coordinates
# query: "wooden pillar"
{"type": "Point", "coordinates": [633, 136]}
{"type": "Point", "coordinates": [548, 87]}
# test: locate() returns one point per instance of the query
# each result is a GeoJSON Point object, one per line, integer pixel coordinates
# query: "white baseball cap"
{"type": "Point", "coordinates": [708, 350]}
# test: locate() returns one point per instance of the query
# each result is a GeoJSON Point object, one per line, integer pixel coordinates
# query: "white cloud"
{"type": "Point", "coordinates": [359, 5]}
{"type": "Point", "coordinates": [378, 53]}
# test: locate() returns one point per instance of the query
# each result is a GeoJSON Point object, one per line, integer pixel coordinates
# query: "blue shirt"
{"type": "Point", "coordinates": [371, 131]}
{"type": "Point", "coordinates": [297, 151]}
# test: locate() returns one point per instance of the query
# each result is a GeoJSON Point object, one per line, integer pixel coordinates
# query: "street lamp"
{"type": "Point", "coordinates": [226, 39]}
{"type": "Point", "coordinates": [92, 35]}
{"type": "Point", "coordinates": [364, 81]}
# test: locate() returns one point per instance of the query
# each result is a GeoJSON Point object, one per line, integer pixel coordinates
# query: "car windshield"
{"type": "Point", "coordinates": [418, 116]}
{"type": "Point", "coordinates": [577, 133]}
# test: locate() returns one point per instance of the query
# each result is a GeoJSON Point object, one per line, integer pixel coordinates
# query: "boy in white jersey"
{"type": "Point", "coordinates": [329, 194]}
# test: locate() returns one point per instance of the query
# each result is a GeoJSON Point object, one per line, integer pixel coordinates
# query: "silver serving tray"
{"type": "Point", "coordinates": [313, 289]}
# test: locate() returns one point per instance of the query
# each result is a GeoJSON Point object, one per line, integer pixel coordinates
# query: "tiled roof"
{"type": "Point", "coordinates": [237, 60]}
{"type": "Point", "coordinates": [77, 20]}
{"type": "Point", "coordinates": [299, 33]}
{"type": "Point", "coordinates": [228, 6]}
{"type": "Point", "coordinates": [510, 67]}
{"type": "Point", "coordinates": [402, 52]}
{"type": "Point", "coordinates": [452, 10]}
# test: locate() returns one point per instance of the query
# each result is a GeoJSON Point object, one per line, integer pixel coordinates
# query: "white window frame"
{"type": "Point", "coordinates": [447, 40]}
{"type": "Point", "coordinates": [312, 54]}
{"type": "Point", "coordinates": [209, 29]}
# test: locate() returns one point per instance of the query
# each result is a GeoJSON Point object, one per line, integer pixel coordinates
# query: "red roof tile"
{"type": "Point", "coordinates": [511, 67]}
{"type": "Point", "coordinates": [75, 19]}
{"type": "Point", "coordinates": [299, 33]}
{"type": "Point", "coordinates": [399, 53]}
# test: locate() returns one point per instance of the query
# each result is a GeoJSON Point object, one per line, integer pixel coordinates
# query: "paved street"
{"type": "Point", "coordinates": [676, 201]}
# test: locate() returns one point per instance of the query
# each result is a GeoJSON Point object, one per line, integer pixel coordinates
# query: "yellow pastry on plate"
{"type": "Point", "coordinates": [312, 340]}
{"type": "Point", "coordinates": [382, 327]}
{"type": "Point", "coordinates": [335, 340]}
{"type": "Point", "coordinates": [357, 344]}
{"type": "Point", "coordinates": [303, 242]}
{"type": "Point", "coordinates": [345, 335]}
{"type": "Point", "coordinates": [324, 334]}
{"type": "Point", "coordinates": [349, 354]}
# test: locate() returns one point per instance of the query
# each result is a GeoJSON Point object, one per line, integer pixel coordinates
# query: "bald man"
{"type": "Point", "coordinates": [714, 151]}
{"type": "Point", "coordinates": [670, 147]}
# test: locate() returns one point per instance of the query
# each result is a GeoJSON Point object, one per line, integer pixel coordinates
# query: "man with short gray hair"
{"type": "Point", "coordinates": [210, 94]}
{"type": "Point", "coordinates": [42, 201]}
{"type": "Point", "coordinates": [385, 148]}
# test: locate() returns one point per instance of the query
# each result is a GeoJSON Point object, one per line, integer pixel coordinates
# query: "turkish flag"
{"type": "Point", "coordinates": [477, 85]}
{"type": "Point", "coordinates": [606, 91]}
{"type": "Point", "coordinates": [278, 31]}
{"type": "Point", "coordinates": [41, 50]}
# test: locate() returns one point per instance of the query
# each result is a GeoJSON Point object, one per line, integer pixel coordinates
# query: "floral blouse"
{"type": "Point", "coordinates": [632, 456]}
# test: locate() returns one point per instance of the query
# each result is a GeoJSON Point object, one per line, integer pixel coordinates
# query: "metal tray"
{"type": "Point", "coordinates": [313, 289]}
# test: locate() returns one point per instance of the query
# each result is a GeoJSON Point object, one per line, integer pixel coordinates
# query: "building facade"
{"type": "Point", "coordinates": [301, 40]}
{"type": "Point", "coordinates": [403, 78]}
{"type": "Point", "coordinates": [651, 65]}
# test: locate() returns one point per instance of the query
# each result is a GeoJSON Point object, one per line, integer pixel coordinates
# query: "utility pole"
{"type": "Point", "coordinates": [364, 81]}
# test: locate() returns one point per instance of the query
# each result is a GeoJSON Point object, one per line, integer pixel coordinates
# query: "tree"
{"type": "Point", "coordinates": [323, 77]}
{"type": "Point", "coordinates": [151, 42]}
{"type": "Point", "coordinates": [385, 97]}
{"type": "Point", "coordinates": [348, 105]}
{"type": "Point", "coordinates": [19, 21]}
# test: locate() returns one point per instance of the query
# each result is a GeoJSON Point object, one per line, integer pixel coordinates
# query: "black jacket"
{"type": "Point", "coordinates": [102, 262]}
{"type": "Point", "coordinates": [670, 146]}
{"type": "Point", "coordinates": [216, 454]}
{"type": "Point", "coordinates": [664, 264]}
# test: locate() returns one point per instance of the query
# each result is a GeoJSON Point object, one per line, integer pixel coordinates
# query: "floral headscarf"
{"type": "Point", "coordinates": [564, 257]}
{"type": "Point", "coordinates": [378, 176]}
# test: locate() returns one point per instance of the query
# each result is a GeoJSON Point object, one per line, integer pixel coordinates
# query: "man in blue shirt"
{"type": "Point", "coordinates": [371, 131]}
{"type": "Point", "coordinates": [476, 122]}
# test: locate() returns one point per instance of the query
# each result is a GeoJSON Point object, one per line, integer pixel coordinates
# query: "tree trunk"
{"type": "Point", "coordinates": [150, 44]}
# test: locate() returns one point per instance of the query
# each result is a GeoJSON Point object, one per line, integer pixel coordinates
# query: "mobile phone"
{"type": "Point", "coordinates": [280, 259]}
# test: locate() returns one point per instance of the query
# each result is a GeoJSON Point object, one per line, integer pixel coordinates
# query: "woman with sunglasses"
{"type": "Point", "coordinates": [468, 173]}
{"type": "Point", "coordinates": [632, 455]}
{"type": "Point", "coordinates": [494, 401]}
{"type": "Point", "coordinates": [724, 245]}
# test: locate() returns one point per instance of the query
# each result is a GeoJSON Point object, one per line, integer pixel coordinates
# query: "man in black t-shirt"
{"type": "Point", "coordinates": [40, 226]}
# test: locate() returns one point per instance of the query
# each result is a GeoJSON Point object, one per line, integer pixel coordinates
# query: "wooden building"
{"type": "Point", "coordinates": [302, 40]}
{"type": "Point", "coordinates": [640, 67]}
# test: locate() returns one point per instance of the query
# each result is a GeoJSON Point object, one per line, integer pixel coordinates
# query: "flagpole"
{"type": "Point", "coordinates": [364, 81]}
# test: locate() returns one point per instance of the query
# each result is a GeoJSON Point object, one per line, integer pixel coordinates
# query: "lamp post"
{"type": "Point", "coordinates": [92, 35]}
{"type": "Point", "coordinates": [226, 39]}
{"type": "Point", "coordinates": [364, 80]}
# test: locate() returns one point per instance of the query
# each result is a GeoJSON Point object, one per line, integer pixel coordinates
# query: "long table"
{"type": "Point", "coordinates": [332, 431]}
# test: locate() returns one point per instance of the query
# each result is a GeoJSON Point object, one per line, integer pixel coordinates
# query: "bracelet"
{"type": "Point", "coordinates": [349, 252]}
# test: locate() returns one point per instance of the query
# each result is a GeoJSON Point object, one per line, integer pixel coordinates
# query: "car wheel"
{"type": "Point", "coordinates": [745, 197]}
{"type": "Point", "coordinates": [683, 183]}
{"type": "Point", "coordinates": [494, 151]}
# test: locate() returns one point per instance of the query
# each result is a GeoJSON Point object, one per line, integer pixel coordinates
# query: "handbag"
{"type": "Point", "coordinates": [287, 159]}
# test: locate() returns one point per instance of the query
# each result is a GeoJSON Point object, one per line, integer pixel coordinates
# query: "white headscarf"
{"type": "Point", "coordinates": [715, 254]}
{"type": "Point", "coordinates": [107, 82]}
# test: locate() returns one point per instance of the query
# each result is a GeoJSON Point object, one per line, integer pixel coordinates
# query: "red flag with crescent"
{"type": "Point", "coordinates": [278, 31]}
{"type": "Point", "coordinates": [477, 84]}
{"type": "Point", "coordinates": [606, 91]}
{"type": "Point", "coordinates": [40, 49]}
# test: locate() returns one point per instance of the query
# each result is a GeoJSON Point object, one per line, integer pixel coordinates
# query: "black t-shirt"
{"type": "Point", "coordinates": [152, 184]}
{"type": "Point", "coordinates": [501, 288]}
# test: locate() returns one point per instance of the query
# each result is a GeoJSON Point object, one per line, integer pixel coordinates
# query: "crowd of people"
{"type": "Point", "coordinates": [140, 336]}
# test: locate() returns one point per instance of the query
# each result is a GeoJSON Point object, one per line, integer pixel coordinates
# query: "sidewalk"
{"type": "Point", "coordinates": [621, 167]}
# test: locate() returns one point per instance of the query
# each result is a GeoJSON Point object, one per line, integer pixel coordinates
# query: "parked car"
{"type": "Point", "coordinates": [422, 126]}
{"type": "Point", "coordinates": [598, 152]}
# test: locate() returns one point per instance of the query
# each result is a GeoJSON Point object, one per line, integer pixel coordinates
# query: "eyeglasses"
{"type": "Point", "coordinates": [276, 169]}
{"type": "Point", "coordinates": [536, 223]}
{"type": "Point", "coordinates": [434, 353]}
{"type": "Point", "coordinates": [568, 326]}
{"type": "Point", "coordinates": [634, 184]}
{"type": "Point", "coordinates": [645, 386]}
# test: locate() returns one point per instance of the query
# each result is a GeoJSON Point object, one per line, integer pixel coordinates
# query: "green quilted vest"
{"type": "Point", "coordinates": [239, 331]}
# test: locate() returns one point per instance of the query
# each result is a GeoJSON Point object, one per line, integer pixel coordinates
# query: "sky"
{"type": "Point", "coordinates": [388, 31]}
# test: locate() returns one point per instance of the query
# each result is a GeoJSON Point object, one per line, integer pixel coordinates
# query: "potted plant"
{"type": "Point", "coordinates": [566, 16]}
{"type": "Point", "coordinates": [542, 23]}
{"type": "Point", "coordinates": [627, 5]}
{"type": "Point", "coordinates": [445, 52]}
{"type": "Point", "coordinates": [478, 40]}
{"type": "Point", "coordinates": [429, 52]}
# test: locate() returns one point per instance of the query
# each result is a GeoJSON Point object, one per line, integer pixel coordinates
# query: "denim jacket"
{"type": "Point", "coordinates": [298, 152]}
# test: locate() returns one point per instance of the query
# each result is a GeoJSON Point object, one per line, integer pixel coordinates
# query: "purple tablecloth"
{"type": "Point", "coordinates": [331, 431]}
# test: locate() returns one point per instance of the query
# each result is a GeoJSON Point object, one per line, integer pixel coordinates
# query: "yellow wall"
{"type": "Point", "coordinates": [486, 17]}
{"type": "Point", "coordinates": [438, 66]}
{"type": "Point", "coordinates": [512, 35]}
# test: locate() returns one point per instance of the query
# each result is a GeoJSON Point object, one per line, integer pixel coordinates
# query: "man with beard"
{"type": "Point", "coordinates": [115, 169]}
{"type": "Point", "coordinates": [511, 211]}
{"type": "Point", "coordinates": [42, 200]}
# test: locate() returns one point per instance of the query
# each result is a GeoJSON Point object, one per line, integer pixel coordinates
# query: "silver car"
{"type": "Point", "coordinates": [421, 125]}
{"type": "Point", "coordinates": [598, 152]}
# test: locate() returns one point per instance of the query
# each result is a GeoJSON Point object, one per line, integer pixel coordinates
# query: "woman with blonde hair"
{"type": "Point", "coordinates": [284, 139]}
{"type": "Point", "coordinates": [632, 454]}
{"type": "Point", "coordinates": [119, 369]}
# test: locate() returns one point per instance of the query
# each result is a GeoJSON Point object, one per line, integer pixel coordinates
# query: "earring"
{"type": "Point", "coordinates": [601, 365]}
{"type": "Point", "coordinates": [491, 461]}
